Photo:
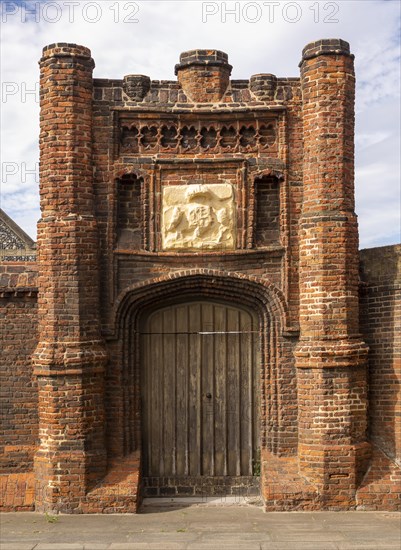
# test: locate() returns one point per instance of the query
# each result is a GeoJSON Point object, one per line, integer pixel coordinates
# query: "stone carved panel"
{"type": "Point", "coordinates": [198, 216]}
{"type": "Point", "coordinates": [15, 245]}
{"type": "Point", "coordinates": [9, 240]}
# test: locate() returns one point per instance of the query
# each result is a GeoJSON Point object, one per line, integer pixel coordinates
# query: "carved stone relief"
{"type": "Point", "coordinates": [198, 216]}
{"type": "Point", "coordinates": [15, 245]}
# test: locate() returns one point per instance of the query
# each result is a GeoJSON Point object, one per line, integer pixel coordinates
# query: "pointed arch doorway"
{"type": "Point", "coordinates": [200, 371]}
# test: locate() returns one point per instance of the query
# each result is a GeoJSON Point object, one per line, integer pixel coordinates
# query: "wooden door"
{"type": "Point", "coordinates": [199, 391]}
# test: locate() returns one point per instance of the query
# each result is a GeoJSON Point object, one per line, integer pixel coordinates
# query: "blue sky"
{"type": "Point", "coordinates": [147, 37]}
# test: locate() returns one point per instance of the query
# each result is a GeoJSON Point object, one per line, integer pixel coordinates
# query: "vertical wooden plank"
{"type": "Point", "coordinates": [237, 374]}
{"type": "Point", "coordinates": [168, 383]}
{"type": "Point", "coordinates": [207, 382]}
{"type": "Point", "coordinates": [233, 404]}
{"type": "Point", "coordinates": [155, 395]}
{"type": "Point", "coordinates": [245, 383]}
{"type": "Point", "coordinates": [195, 401]}
{"type": "Point", "coordinates": [182, 384]}
{"type": "Point", "coordinates": [226, 391]}
{"type": "Point", "coordinates": [148, 396]}
{"type": "Point", "coordinates": [256, 389]}
{"type": "Point", "coordinates": [159, 377]}
{"type": "Point", "coordinates": [220, 416]}
{"type": "Point", "coordinates": [144, 388]}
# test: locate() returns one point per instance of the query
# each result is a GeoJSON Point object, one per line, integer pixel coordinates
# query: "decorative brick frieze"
{"type": "Point", "coordinates": [192, 137]}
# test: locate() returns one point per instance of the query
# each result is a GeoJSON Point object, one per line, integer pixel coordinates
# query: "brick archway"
{"type": "Point", "coordinates": [278, 430]}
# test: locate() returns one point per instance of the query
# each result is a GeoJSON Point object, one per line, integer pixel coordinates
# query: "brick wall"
{"type": "Point", "coordinates": [381, 328]}
{"type": "Point", "coordinates": [18, 390]}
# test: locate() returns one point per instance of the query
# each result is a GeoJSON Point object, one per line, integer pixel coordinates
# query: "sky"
{"type": "Point", "coordinates": [146, 37]}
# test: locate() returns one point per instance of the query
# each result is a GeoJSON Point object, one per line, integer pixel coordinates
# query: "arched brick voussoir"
{"type": "Point", "coordinates": [122, 169]}
{"type": "Point", "coordinates": [260, 172]}
{"type": "Point", "coordinates": [252, 291]}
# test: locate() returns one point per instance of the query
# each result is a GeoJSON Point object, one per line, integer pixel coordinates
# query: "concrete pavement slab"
{"type": "Point", "coordinates": [229, 545]}
{"type": "Point", "coordinates": [369, 545]}
{"type": "Point", "coordinates": [53, 546]}
{"type": "Point", "coordinates": [372, 534]}
{"type": "Point", "coordinates": [307, 536]}
{"type": "Point", "coordinates": [203, 528]}
{"type": "Point", "coordinates": [300, 545]}
{"type": "Point", "coordinates": [161, 545]}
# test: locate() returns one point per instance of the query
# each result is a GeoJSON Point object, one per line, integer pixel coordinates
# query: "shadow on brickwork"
{"type": "Point", "coordinates": [381, 327]}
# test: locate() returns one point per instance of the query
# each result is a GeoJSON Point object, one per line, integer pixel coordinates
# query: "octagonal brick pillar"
{"type": "Point", "coordinates": [70, 357]}
{"type": "Point", "coordinates": [331, 357]}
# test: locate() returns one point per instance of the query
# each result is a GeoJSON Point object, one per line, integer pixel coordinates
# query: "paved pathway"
{"type": "Point", "coordinates": [203, 527]}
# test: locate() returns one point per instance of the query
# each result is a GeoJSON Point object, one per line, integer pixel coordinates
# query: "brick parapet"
{"type": "Point", "coordinates": [381, 266]}
{"type": "Point", "coordinates": [139, 92]}
{"type": "Point", "coordinates": [18, 277]}
{"type": "Point", "coordinates": [330, 46]}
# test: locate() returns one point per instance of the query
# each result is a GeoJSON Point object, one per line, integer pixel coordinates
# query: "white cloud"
{"type": "Point", "coordinates": [165, 29]}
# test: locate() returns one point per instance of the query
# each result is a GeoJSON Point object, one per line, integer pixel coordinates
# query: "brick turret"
{"type": "Point", "coordinates": [204, 74]}
{"type": "Point", "coordinates": [70, 358]}
{"type": "Point", "coordinates": [330, 356]}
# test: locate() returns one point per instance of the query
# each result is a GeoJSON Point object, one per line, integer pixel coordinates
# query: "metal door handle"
{"type": "Point", "coordinates": [209, 395]}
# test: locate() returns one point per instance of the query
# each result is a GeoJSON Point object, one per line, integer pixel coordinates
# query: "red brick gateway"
{"type": "Point", "coordinates": [195, 321]}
